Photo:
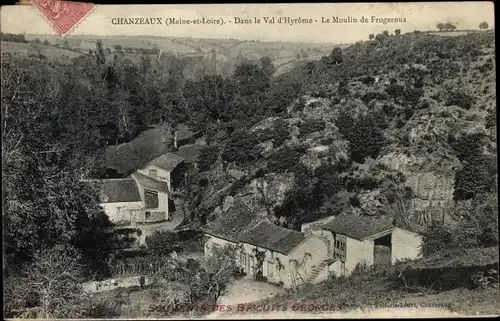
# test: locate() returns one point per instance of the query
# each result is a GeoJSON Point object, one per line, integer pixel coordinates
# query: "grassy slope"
{"type": "Point", "coordinates": [48, 51]}
{"type": "Point", "coordinates": [379, 287]}
{"type": "Point", "coordinates": [149, 144]}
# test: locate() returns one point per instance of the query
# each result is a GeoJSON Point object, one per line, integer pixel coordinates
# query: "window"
{"type": "Point", "coordinates": [243, 259]}
{"type": "Point", "coordinates": [153, 174]}
{"type": "Point", "coordinates": [340, 248]}
{"type": "Point", "coordinates": [151, 199]}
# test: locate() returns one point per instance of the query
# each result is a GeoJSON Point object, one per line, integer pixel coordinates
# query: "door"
{"type": "Point", "coordinates": [251, 264]}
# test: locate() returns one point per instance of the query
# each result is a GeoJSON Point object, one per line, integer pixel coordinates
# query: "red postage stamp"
{"type": "Point", "coordinates": [63, 15]}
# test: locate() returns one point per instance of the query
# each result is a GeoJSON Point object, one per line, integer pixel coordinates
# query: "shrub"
{"type": "Point", "coordinates": [278, 134]}
{"type": "Point", "coordinates": [491, 118]}
{"type": "Point", "coordinates": [477, 176]}
{"type": "Point", "coordinates": [162, 242]}
{"type": "Point", "coordinates": [369, 96]}
{"type": "Point", "coordinates": [395, 90]}
{"type": "Point", "coordinates": [467, 146]}
{"type": "Point", "coordinates": [364, 136]}
{"type": "Point", "coordinates": [241, 148]}
{"type": "Point", "coordinates": [412, 95]}
{"type": "Point", "coordinates": [208, 156]}
{"type": "Point", "coordinates": [285, 159]}
{"type": "Point", "coordinates": [311, 126]}
{"type": "Point", "coordinates": [459, 99]}
{"type": "Point", "coordinates": [438, 238]}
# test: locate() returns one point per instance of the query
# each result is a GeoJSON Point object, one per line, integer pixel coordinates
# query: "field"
{"type": "Point", "coordinates": [284, 54]}
{"type": "Point", "coordinates": [52, 52]}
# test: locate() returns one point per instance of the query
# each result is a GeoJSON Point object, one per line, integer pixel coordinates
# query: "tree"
{"type": "Point", "coordinates": [66, 45]}
{"type": "Point", "coordinates": [371, 36]}
{"type": "Point", "coordinates": [365, 138]}
{"type": "Point", "coordinates": [386, 33]}
{"type": "Point", "coordinates": [46, 42]}
{"type": "Point", "coordinates": [208, 156]}
{"type": "Point", "coordinates": [440, 26]}
{"type": "Point", "coordinates": [267, 66]}
{"type": "Point", "coordinates": [220, 267]}
{"type": "Point", "coordinates": [448, 26]}
{"type": "Point", "coordinates": [336, 56]}
{"type": "Point", "coordinates": [117, 47]}
{"type": "Point", "coordinates": [397, 32]}
{"type": "Point", "coordinates": [251, 79]}
{"type": "Point", "coordinates": [477, 176]}
{"type": "Point", "coordinates": [241, 148]}
{"type": "Point", "coordinates": [50, 287]}
{"type": "Point", "coordinates": [162, 242]}
{"type": "Point", "coordinates": [483, 25]}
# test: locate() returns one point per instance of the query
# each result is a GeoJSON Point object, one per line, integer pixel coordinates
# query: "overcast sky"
{"type": "Point", "coordinates": [419, 16]}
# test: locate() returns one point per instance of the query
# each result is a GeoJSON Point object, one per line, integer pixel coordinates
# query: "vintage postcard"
{"type": "Point", "coordinates": [249, 161]}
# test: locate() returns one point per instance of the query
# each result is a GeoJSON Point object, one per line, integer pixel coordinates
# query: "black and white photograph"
{"type": "Point", "coordinates": [249, 161]}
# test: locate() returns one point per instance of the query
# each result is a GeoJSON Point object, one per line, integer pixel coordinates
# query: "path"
{"type": "Point", "coordinates": [245, 291]}
{"type": "Point", "coordinates": [149, 228]}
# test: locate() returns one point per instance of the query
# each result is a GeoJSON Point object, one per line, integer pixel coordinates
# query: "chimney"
{"type": "Point", "coordinates": [175, 139]}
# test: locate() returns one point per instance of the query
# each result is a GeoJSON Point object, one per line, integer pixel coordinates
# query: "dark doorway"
{"type": "Point", "coordinates": [171, 205]}
{"type": "Point", "coordinates": [382, 251]}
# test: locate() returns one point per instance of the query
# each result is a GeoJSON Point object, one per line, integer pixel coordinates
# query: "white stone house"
{"type": "Point", "coordinates": [334, 245]}
{"type": "Point", "coordinates": [283, 256]}
{"type": "Point", "coordinates": [370, 241]}
{"type": "Point", "coordinates": [120, 199]}
{"type": "Point", "coordinates": [154, 195]}
{"type": "Point", "coordinates": [165, 168]}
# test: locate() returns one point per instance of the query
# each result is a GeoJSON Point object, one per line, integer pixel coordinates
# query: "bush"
{"type": "Point", "coordinates": [395, 90]}
{"type": "Point", "coordinates": [208, 156]}
{"type": "Point", "coordinates": [365, 138]}
{"type": "Point", "coordinates": [162, 242]}
{"type": "Point", "coordinates": [438, 238]}
{"type": "Point", "coordinates": [369, 96]}
{"type": "Point", "coordinates": [311, 126]}
{"type": "Point", "coordinates": [241, 148]}
{"type": "Point", "coordinates": [467, 146]}
{"type": "Point", "coordinates": [285, 159]}
{"type": "Point", "coordinates": [368, 80]}
{"type": "Point", "coordinates": [477, 176]}
{"type": "Point", "coordinates": [491, 118]}
{"type": "Point", "coordinates": [459, 99]}
{"type": "Point", "coordinates": [278, 134]}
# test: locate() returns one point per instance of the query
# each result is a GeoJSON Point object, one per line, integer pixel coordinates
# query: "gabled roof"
{"type": "Point", "coordinates": [167, 161]}
{"type": "Point", "coordinates": [358, 227]}
{"type": "Point", "coordinates": [231, 224]}
{"type": "Point", "coordinates": [149, 183]}
{"type": "Point", "coordinates": [273, 237]}
{"type": "Point", "coordinates": [117, 190]}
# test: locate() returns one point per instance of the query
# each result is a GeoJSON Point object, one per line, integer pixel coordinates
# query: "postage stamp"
{"type": "Point", "coordinates": [249, 161]}
{"type": "Point", "coordinates": [63, 15]}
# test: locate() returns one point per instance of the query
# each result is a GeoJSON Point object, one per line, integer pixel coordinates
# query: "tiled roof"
{"type": "Point", "coordinates": [358, 227]}
{"type": "Point", "coordinates": [149, 183]}
{"type": "Point", "coordinates": [117, 190]}
{"type": "Point", "coordinates": [167, 161]}
{"type": "Point", "coordinates": [189, 153]}
{"type": "Point", "coordinates": [231, 224]}
{"type": "Point", "coordinates": [273, 237]}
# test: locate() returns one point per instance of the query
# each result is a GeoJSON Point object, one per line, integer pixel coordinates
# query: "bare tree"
{"type": "Point", "coordinates": [50, 287]}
